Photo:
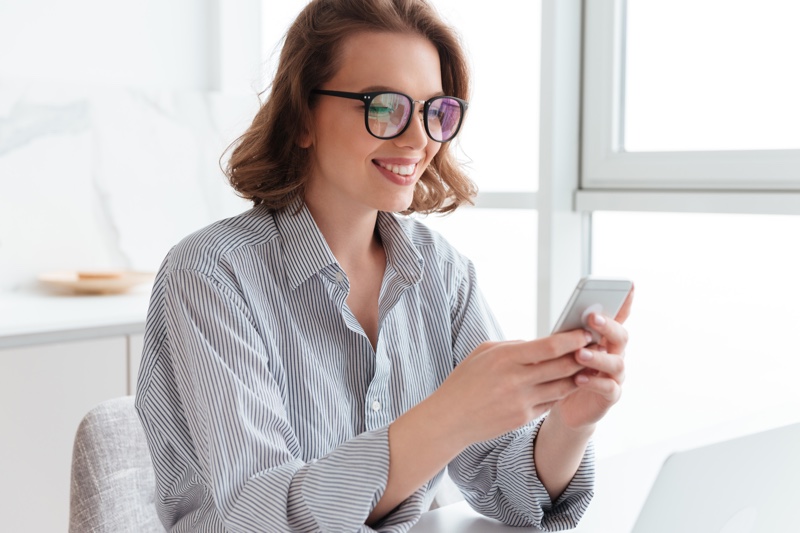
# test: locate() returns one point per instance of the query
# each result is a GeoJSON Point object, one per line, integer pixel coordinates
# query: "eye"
{"type": "Point", "coordinates": [436, 111]}
{"type": "Point", "coordinates": [378, 110]}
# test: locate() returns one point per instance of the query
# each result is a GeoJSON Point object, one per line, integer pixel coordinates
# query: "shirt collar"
{"type": "Point", "coordinates": [401, 253]}
{"type": "Point", "coordinates": [306, 252]}
{"type": "Point", "coordinates": [304, 248]}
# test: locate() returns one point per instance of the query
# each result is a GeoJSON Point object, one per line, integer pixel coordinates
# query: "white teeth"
{"type": "Point", "coordinates": [403, 170]}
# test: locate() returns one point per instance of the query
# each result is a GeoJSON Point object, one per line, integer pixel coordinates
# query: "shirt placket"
{"type": "Point", "coordinates": [378, 401]}
{"type": "Point", "coordinates": [379, 408]}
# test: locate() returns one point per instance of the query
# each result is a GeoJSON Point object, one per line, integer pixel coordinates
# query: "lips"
{"type": "Point", "coordinates": [401, 171]}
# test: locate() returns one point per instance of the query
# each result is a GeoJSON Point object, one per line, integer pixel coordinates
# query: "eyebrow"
{"type": "Point", "coordinates": [377, 88]}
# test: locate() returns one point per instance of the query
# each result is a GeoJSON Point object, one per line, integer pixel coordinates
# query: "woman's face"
{"type": "Point", "coordinates": [349, 166]}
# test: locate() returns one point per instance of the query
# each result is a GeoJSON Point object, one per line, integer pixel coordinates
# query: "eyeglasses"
{"type": "Point", "coordinates": [388, 114]}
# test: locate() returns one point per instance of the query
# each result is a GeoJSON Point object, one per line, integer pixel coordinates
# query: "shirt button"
{"type": "Point", "coordinates": [339, 277]}
{"type": "Point", "coordinates": [376, 405]}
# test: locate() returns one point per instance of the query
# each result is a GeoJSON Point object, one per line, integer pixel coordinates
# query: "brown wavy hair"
{"type": "Point", "coordinates": [267, 164]}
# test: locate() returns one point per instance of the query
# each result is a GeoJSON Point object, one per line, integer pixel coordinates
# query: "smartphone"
{"type": "Point", "coordinates": [593, 295]}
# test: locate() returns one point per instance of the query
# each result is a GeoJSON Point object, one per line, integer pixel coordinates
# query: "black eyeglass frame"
{"type": "Point", "coordinates": [367, 98]}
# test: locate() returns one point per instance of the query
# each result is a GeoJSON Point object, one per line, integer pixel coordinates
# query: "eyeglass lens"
{"type": "Point", "coordinates": [389, 113]}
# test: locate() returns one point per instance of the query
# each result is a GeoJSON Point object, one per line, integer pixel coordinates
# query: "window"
{"type": "Point", "coordinates": [690, 167]}
{"type": "Point", "coordinates": [691, 95]}
{"type": "Point", "coordinates": [655, 161]}
{"type": "Point", "coordinates": [711, 75]}
{"type": "Point", "coordinates": [712, 333]}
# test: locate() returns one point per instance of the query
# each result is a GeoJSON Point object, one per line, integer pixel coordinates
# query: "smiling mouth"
{"type": "Point", "coordinates": [401, 170]}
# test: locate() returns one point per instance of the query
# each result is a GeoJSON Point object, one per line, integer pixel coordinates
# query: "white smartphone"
{"type": "Point", "coordinates": [593, 295]}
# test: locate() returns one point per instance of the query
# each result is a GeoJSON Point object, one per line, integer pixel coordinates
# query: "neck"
{"type": "Point", "coordinates": [350, 234]}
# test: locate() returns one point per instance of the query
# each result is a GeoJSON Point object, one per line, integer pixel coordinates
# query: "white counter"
{"type": "Point", "coordinates": [60, 356]}
{"type": "Point", "coordinates": [38, 317]}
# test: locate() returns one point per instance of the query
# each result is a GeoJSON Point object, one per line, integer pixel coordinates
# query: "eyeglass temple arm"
{"type": "Point", "coordinates": [341, 94]}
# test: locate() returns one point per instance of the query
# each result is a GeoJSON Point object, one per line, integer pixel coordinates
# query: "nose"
{"type": "Point", "coordinates": [415, 135]}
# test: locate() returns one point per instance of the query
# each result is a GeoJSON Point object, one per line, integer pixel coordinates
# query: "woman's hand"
{"type": "Point", "coordinates": [503, 385]}
{"type": "Point", "coordinates": [599, 386]}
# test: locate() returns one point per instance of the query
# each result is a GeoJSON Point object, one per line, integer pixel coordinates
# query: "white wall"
{"type": "Point", "coordinates": [144, 44]}
{"type": "Point", "coordinates": [113, 117]}
{"type": "Point", "coordinates": [147, 44]}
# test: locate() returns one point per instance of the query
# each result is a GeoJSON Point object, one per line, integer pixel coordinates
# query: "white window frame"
{"type": "Point", "coordinates": [748, 181]}
{"type": "Point", "coordinates": [564, 232]}
{"type": "Point", "coordinates": [583, 167]}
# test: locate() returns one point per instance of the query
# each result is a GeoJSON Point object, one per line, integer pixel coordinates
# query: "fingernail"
{"type": "Point", "coordinates": [599, 319]}
{"type": "Point", "coordinates": [585, 355]}
{"type": "Point", "coordinates": [580, 379]}
{"type": "Point", "coordinates": [589, 337]}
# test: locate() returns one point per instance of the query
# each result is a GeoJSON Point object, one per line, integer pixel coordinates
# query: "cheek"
{"type": "Point", "coordinates": [342, 150]}
{"type": "Point", "coordinates": [432, 150]}
{"type": "Point", "coordinates": [343, 136]}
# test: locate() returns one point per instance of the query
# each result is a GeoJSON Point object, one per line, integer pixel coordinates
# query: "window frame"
{"type": "Point", "coordinates": [610, 174]}
{"type": "Point", "coordinates": [589, 196]}
{"type": "Point", "coordinates": [582, 163]}
{"type": "Point", "coordinates": [564, 233]}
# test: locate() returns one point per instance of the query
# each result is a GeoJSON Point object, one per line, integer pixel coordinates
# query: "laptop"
{"type": "Point", "coordinates": [749, 484]}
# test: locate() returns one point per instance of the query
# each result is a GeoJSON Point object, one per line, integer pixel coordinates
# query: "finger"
{"type": "Point", "coordinates": [562, 367]}
{"type": "Point", "coordinates": [553, 391]}
{"type": "Point", "coordinates": [614, 334]}
{"type": "Point", "coordinates": [602, 348]}
{"type": "Point", "coordinates": [625, 310]}
{"type": "Point", "coordinates": [604, 386]}
{"type": "Point", "coordinates": [610, 364]}
{"type": "Point", "coordinates": [619, 378]}
{"type": "Point", "coordinates": [552, 347]}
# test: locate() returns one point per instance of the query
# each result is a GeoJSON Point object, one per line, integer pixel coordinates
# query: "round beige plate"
{"type": "Point", "coordinates": [94, 282]}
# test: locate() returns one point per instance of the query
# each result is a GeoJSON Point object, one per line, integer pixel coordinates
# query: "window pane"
{"type": "Point", "coordinates": [712, 75]}
{"type": "Point", "coordinates": [714, 323]}
{"type": "Point", "coordinates": [502, 245]}
{"type": "Point", "coordinates": [500, 140]}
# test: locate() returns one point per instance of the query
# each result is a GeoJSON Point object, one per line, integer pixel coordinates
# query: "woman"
{"type": "Point", "coordinates": [315, 363]}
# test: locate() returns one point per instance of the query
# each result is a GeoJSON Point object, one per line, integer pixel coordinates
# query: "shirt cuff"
{"type": "Point", "coordinates": [358, 468]}
{"type": "Point", "coordinates": [519, 481]}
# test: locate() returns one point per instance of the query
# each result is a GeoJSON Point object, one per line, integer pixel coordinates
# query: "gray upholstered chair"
{"type": "Point", "coordinates": [113, 485]}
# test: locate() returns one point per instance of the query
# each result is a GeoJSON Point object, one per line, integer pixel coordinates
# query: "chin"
{"type": "Point", "coordinates": [397, 205]}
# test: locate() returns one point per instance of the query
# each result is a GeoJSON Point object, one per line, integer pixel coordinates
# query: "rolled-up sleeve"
{"type": "Point", "coordinates": [498, 477]}
{"type": "Point", "coordinates": [248, 455]}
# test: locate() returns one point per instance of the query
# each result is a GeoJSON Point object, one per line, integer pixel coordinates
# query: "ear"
{"type": "Point", "coordinates": [305, 140]}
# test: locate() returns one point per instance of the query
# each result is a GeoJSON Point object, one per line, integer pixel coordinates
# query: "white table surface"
{"type": "Point", "coordinates": [622, 485]}
{"type": "Point", "coordinates": [622, 482]}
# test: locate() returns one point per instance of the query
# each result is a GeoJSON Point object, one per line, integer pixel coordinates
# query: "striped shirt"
{"type": "Point", "coordinates": [266, 407]}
